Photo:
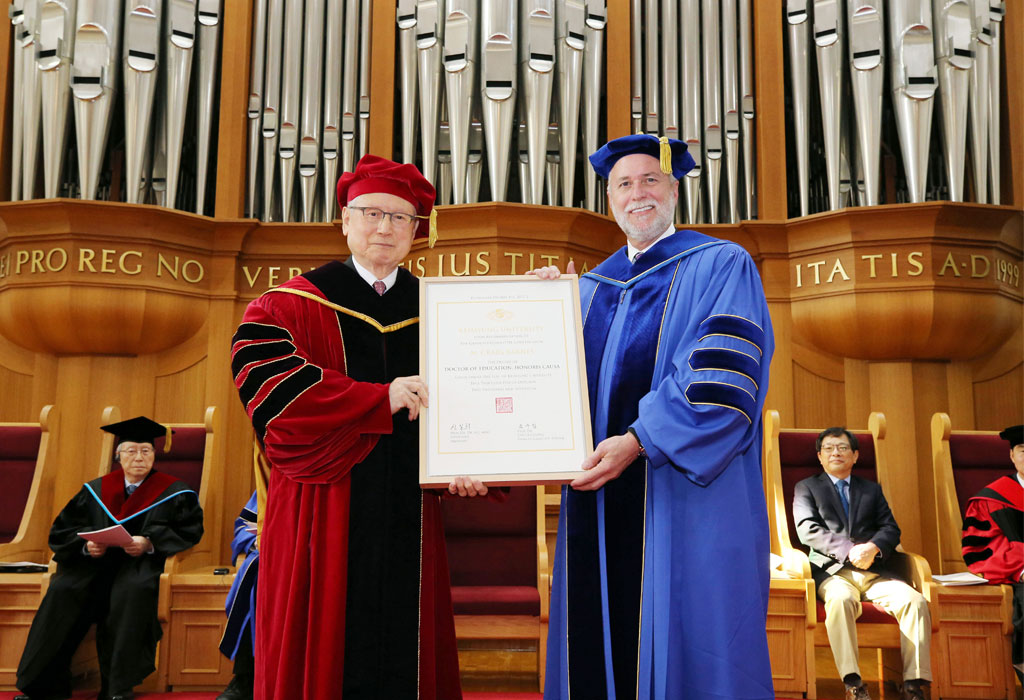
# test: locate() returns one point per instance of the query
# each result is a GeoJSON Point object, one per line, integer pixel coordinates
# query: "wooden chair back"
{"type": "Point", "coordinates": [963, 462]}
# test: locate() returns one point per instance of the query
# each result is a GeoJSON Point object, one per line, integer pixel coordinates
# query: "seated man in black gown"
{"type": "Point", "coordinates": [115, 586]}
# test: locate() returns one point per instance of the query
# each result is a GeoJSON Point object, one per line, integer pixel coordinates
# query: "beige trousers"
{"type": "Point", "coordinates": [843, 593]}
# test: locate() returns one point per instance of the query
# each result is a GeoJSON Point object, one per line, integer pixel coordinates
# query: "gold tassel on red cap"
{"type": "Point", "coordinates": [432, 230]}
{"type": "Point", "coordinates": [666, 156]}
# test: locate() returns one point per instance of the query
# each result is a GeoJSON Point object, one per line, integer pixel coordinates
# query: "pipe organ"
{"type": "Point", "coordinates": [937, 123]}
{"type": "Point", "coordinates": [503, 101]}
{"type": "Point", "coordinates": [122, 74]}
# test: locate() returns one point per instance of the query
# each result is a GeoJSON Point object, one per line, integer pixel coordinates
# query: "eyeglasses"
{"type": "Point", "coordinates": [132, 451]}
{"type": "Point", "coordinates": [841, 449]}
{"type": "Point", "coordinates": [376, 216]}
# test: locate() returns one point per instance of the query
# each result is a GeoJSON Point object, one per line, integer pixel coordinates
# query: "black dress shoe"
{"type": "Point", "coordinates": [240, 688]}
{"type": "Point", "coordinates": [123, 696]}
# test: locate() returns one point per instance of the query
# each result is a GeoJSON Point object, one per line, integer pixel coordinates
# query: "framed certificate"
{"type": "Point", "coordinates": [503, 361]}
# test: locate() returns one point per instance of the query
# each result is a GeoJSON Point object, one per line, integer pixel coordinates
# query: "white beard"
{"type": "Point", "coordinates": [641, 236]}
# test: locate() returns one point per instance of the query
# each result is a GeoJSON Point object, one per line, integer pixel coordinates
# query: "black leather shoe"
{"type": "Point", "coordinates": [240, 688]}
{"type": "Point", "coordinates": [857, 692]}
{"type": "Point", "coordinates": [123, 696]}
{"type": "Point", "coordinates": [916, 690]}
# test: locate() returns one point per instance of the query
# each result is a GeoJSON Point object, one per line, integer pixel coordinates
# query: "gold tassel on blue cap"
{"type": "Point", "coordinates": [432, 230]}
{"type": "Point", "coordinates": [666, 156]}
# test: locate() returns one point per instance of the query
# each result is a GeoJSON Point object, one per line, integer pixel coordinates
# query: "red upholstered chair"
{"type": "Point", "coordinates": [789, 457]}
{"type": "Point", "coordinates": [978, 623]}
{"type": "Point", "coordinates": [497, 557]}
{"type": "Point", "coordinates": [963, 462]}
{"type": "Point", "coordinates": [27, 471]}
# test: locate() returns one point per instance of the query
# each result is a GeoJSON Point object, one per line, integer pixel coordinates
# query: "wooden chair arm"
{"type": "Point", "coordinates": [915, 569]}
{"type": "Point", "coordinates": [796, 564]}
{"type": "Point", "coordinates": [1007, 608]}
{"type": "Point", "coordinates": [163, 604]}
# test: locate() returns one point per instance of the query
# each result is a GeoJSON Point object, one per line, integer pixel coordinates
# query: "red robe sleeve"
{"type": "Point", "coordinates": [986, 549]}
{"type": "Point", "coordinates": [288, 362]}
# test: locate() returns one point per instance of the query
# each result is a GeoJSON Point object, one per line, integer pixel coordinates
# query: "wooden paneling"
{"type": "Point", "coordinates": [618, 62]}
{"type": "Point", "coordinates": [818, 401]}
{"type": "Point", "coordinates": [770, 99]}
{"type": "Point", "coordinates": [232, 134]}
{"type": "Point", "coordinates": [998, 401]}
{"type": "Point", "coordinates": [971, 651]}
{"type": "Point", "coordinates": [382, 78]}
{"type": "Point", "coordinates": [180, 395]}
{"type": "Point", "coordinates": [197, 625]}
{"type": "Point", "coordinates": [789, 641]}
{"type": "Point", "coordinates": [17, 392]}
{"type": "Point", "coordinates": [17, 608]}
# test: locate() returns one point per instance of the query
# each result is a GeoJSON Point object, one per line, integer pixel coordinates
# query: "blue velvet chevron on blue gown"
{"type": "Point", "coordinates": [240, 605]}
{"type": "Point", "coordinates": [660, 587]}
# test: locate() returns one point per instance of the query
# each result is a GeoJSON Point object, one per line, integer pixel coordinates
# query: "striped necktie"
{"type": "Point", "coordinates": [130, 488]}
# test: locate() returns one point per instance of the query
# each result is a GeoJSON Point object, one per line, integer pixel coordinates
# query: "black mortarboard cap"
{"type": "Point", "coordinates": [671, 154]}
{"type": "Point", "coordinates": [140, 429]}
{"type": "Point", "coordinates": [1013, 435]}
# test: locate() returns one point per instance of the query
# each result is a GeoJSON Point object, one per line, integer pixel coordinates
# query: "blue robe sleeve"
{"type": "Point", "coordinates": [711, 374]}
{"type": "Point", "coordinates": [244, 541]}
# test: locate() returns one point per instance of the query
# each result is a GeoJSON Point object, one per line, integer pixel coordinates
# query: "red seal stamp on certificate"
{"type": "Point", "coordinates": [503, 404]}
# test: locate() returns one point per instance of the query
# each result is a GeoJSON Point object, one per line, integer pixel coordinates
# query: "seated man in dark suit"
{"type": "Point", "coordinates": [993, 536]}
{"type": "Point", "coordinates": [847, 524]}
{"type": "Point", "coordinates": [115, 586]}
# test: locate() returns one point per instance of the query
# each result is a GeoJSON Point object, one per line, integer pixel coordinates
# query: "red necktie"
{"type": "Point", "coordinates": [380, 287]}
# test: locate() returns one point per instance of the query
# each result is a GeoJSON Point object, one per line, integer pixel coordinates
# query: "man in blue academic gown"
{"type": "Point", "coordinates": [661, 574]}
{"type": "Point", "coordinates": [240, 606]}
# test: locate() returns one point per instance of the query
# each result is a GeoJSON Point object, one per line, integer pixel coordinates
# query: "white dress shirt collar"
{"type": "Point", "coordinates": [388, 281]}
{"type": "Point", "coordinates": [837, 480]}
{"type": "Point", "coordinates": [631, 250]}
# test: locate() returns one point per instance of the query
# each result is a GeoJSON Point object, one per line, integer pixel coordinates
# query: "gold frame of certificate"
{"type": "Point", "coordinates": [502, 358]}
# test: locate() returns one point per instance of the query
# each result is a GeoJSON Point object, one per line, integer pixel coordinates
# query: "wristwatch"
{"type": "Point", "coordinates": [642, 452]}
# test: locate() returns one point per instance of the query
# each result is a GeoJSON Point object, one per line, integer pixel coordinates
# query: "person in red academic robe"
{"type": "Point", "coordinates": [354, 596]}
{"type": "Point", "coordinates": [993, 536]}
{"type": "Point", "coordinates": [114, 586]}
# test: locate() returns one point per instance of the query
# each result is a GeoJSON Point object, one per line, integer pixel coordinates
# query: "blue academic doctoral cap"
{"type": "Point", "coordinates": [671, 153]}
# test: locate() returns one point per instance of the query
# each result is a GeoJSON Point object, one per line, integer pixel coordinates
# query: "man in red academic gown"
{"type": "Point", "coordinates": [354, 596]}
{"type": "Point", "coordinates": [993, 536]}
{"type": "Point", "coordinates": [114, 586]}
